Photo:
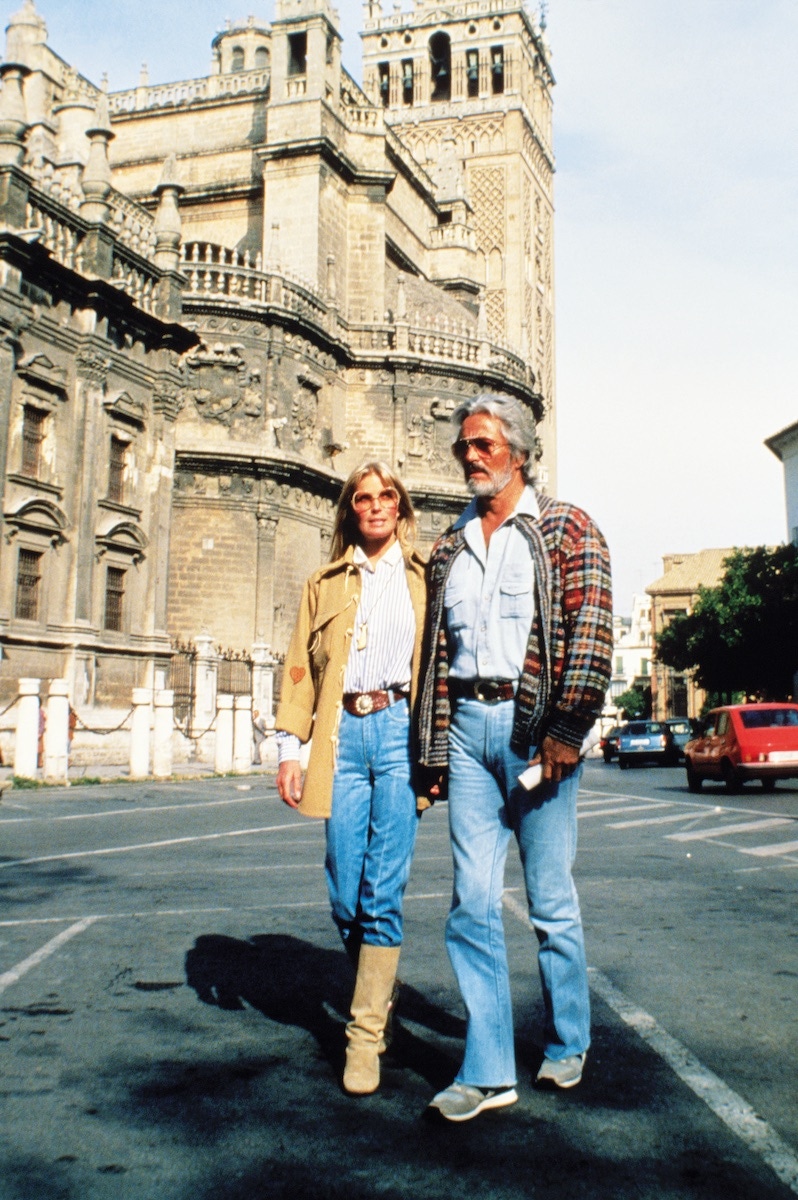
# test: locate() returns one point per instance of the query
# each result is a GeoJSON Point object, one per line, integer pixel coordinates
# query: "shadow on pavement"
{"type": "Point", "coordinates": [293, 982]}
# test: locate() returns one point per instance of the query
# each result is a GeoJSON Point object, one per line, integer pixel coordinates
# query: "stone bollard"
{"type": "Point", "coordinates": [26, 745]}
{"type": "Point", "coordinates": [223, 758]}
{"type": "Point", "coordinates": [140, 733]}
{"type": "Point", "coordinates": [163, 724]}
{"type": "Point", "coordinates": [242, 735]}
{"type": "Point", "coordinates": [56, 733]}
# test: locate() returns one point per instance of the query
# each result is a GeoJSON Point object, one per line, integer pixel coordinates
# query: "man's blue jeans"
{"type": "Point", "coordinates": [372, 830]}
{"type": "Point", "coordinates": [486, 806]}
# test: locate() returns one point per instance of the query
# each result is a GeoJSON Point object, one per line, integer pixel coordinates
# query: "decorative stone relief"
{"type": "Point", "coordinates": [218, 381]}
{"type": "Point", "coordinates": [429, 439]}
{"type": "Point", "coordinates": [304, 413]}
{"type": "Point", "coordinates": [92, 365]}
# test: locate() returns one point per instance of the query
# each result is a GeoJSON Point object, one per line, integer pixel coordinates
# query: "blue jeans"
{"type": "Point", "coordinates": [372, 828]}
{"type": "Point", "coordinates": [486, 806]}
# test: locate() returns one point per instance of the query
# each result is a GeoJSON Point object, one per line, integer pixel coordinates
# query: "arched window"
{"type": "Point", "coordinates": [237, 59]}
{"type": "Point", "coordinates": [440, 54]}
{"type": "Point", "coordinates": [261, 58]}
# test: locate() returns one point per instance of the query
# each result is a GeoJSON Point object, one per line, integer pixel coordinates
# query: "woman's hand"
{"type": "Point", "coordinates": [289, 782]}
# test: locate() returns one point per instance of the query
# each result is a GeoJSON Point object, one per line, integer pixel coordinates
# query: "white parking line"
{"type": "Point", "coordinates": [201, 837]}
{"type": "Point", "coordinates": [134, 810]}
{"type": "Point", "coordinates": [49, 948]}
{"type": "Point", "coordinates": [613, 812]}
{"type": "Point", "coordinates": [682, 816]}
{"type": "Point", "coordinates": [721, 830]}
{"type": "Point", "coordinates": [732, 1109]}
{"type": "Point", "coordinates": [772, 851]}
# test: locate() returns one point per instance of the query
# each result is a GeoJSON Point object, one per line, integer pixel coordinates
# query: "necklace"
{"type": "Point", "coordinates": [363, 631]}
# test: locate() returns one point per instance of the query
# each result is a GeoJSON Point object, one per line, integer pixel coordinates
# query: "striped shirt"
{"type": "Point", "coordinates": [386, 612]}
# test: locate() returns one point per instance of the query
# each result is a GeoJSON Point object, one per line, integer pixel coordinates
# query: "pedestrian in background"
{"type": "Point", "coordinates": [351, 681]}
{"type": "Point", "coordinates": [520, 659]}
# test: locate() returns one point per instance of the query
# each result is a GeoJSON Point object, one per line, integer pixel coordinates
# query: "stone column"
{"type": "Point", "coordinates": [92, 371]}
{"type": "Point", "coordinates": [56, 733]}
{"type": "Point", "coordinates": [223, 758]}
{"type": "Point", "coordinates": [162, 734]}
{"type": "Point", "coordinates": [205, 674]}
{"type": "Point", "coordinates": [263, 681]}
{"type": "Point", "coordinates": [242, 735]}
{"type": "Point", "coordinates": [140, 733]}
{"type": "Point", "coordinates": [27, 739]}
{"type": "Point", "coordinates": [264, 585]}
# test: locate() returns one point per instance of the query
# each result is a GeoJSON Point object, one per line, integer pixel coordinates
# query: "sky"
{"type": "Point", "coordinates": [676, 138]}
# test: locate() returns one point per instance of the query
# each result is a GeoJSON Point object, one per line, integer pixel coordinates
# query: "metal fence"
{"type": "Point", "coordinates": [234, 673]}
{"type": "Point", "coordinates": [182, 675]}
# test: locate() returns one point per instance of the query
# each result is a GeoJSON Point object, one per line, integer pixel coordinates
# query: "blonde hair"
{"type": "Point", "coordinates": [345, 530]}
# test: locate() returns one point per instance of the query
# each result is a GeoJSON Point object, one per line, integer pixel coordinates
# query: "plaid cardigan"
{"type": "Point", "coordinates": [568, 659]}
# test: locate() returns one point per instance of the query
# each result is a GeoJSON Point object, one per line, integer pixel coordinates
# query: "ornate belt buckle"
{"type": "Point", "coordinates": [479, 694]}
{"type": "Point", "coordinates": [364, 704]}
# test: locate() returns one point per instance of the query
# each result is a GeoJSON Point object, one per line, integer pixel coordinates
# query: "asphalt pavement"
{"type": "Point", "coordinates": [173, 997]}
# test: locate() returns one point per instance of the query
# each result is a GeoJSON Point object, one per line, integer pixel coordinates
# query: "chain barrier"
{"type": "Point", "coordinates": [193, 737]}
{"type": "Point", "coordinates": [89, 729]}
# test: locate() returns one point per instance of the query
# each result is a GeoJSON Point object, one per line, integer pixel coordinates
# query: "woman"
{"type": "Point", "coordinates": [351, 680]}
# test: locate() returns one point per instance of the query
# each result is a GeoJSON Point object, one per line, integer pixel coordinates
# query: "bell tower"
{"type": "Point", "coordinates": [478, 76]}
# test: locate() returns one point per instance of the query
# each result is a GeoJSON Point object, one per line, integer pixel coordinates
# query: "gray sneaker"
{"type": "Point", "coordinates": [461, 1102]}
{"type": "Point", "coordinates": [561, 1072]}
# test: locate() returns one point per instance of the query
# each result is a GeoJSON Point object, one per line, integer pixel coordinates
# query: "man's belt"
{"type": "Point", "coordinates": [360, 704]}
{"type": "Point", "coordinates": [489, 691]}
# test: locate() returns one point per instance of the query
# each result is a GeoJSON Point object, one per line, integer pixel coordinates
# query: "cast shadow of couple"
{"type": "Point", "coordinates": [294, 982]}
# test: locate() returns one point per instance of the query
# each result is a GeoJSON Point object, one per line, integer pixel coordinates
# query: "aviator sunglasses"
{"type": "Point", "coordinates": [484, 446]}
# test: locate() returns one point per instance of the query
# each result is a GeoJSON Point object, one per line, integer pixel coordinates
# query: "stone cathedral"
{"type": "Point", "coordinates": [218, 296]}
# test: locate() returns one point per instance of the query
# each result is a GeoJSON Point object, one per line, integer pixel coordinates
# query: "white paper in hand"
{"type": "Point", "coordinates": [531, 777]}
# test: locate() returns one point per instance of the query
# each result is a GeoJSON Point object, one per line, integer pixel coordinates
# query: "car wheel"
{"type": "Point", "coordinates": [623, 761]}
{"type": "Point", "coordinates": [608, 756]}
{"type": "Point", "coordinates": [730, 777]}
{"type": "Point", "coordinates": [768, 785]}
{"type": "Point", "coordinates": [694, 782]}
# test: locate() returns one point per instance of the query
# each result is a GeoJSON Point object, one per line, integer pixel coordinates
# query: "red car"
{"type": "Point", "coordinates": [745, 741]}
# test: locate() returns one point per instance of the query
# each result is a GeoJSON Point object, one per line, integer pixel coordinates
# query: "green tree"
{"type": "Point", "coordinates": [742, 636]}
{"type": "Point", "coordinates": [634, 702]}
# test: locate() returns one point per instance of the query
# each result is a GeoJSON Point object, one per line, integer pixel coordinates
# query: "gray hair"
{"type": "Point", "coordinates": [517, 420]}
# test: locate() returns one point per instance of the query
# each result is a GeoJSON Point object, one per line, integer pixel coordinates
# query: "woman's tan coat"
{"type": "Point", "coordinates": [313, 677]}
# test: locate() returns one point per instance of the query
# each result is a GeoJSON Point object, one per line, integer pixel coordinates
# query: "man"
{"type": "Point", "coordinates": [519, 662]}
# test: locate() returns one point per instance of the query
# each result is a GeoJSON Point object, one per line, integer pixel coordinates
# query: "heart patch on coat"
{"type": "Point", "coordinates": [297, 674]}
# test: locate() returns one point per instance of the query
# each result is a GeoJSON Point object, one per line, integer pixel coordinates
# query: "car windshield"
{"type": "Point", "coordinates": [638, 727]}
{"type": "Point", "coordinates": [768, 718]}
{"type": "Point", "coordinates": [679, 726]}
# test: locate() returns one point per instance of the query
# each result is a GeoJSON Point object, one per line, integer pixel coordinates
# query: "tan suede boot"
{"type": "Point", "coordinates": [376, 974]}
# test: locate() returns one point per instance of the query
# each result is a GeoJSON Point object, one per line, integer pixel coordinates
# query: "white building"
{"type": "Point", "coordinates": [632, 652]}
{"type": "Point", "coordinates": [785, 446]}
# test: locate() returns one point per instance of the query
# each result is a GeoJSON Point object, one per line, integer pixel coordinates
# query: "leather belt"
{"type": "Point", "coordinates": [361, 704]}
{"type": "Point", "coordinates": [489, 691]}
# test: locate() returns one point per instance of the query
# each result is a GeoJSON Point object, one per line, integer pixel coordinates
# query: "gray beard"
{"type": "Point", "coordinates": [487, 488]}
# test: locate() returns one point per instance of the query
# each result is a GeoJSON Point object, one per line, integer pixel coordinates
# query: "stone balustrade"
{"type": "Point", "coordinates": [187, 91]}
{"type": "Point", "coordinates": [60, 230]}
{"type": "Point", "coordinates": [132, 224]}
{"type": "Point", "coordinates": [454, 234]}
{"type": "Point", "coordinates": [135, 276]}
{"type": "Point", "coordinates": [240, 278]}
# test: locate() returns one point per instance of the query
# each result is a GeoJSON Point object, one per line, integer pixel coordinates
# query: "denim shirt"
{"type": "Point", "coordinates": [489, 598]}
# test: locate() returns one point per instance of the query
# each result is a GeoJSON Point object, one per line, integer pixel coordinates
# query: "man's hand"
{"type": "Point", "coordinates": [289, 782]}
{"type": "Point", "coordinates": [558, 759]}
